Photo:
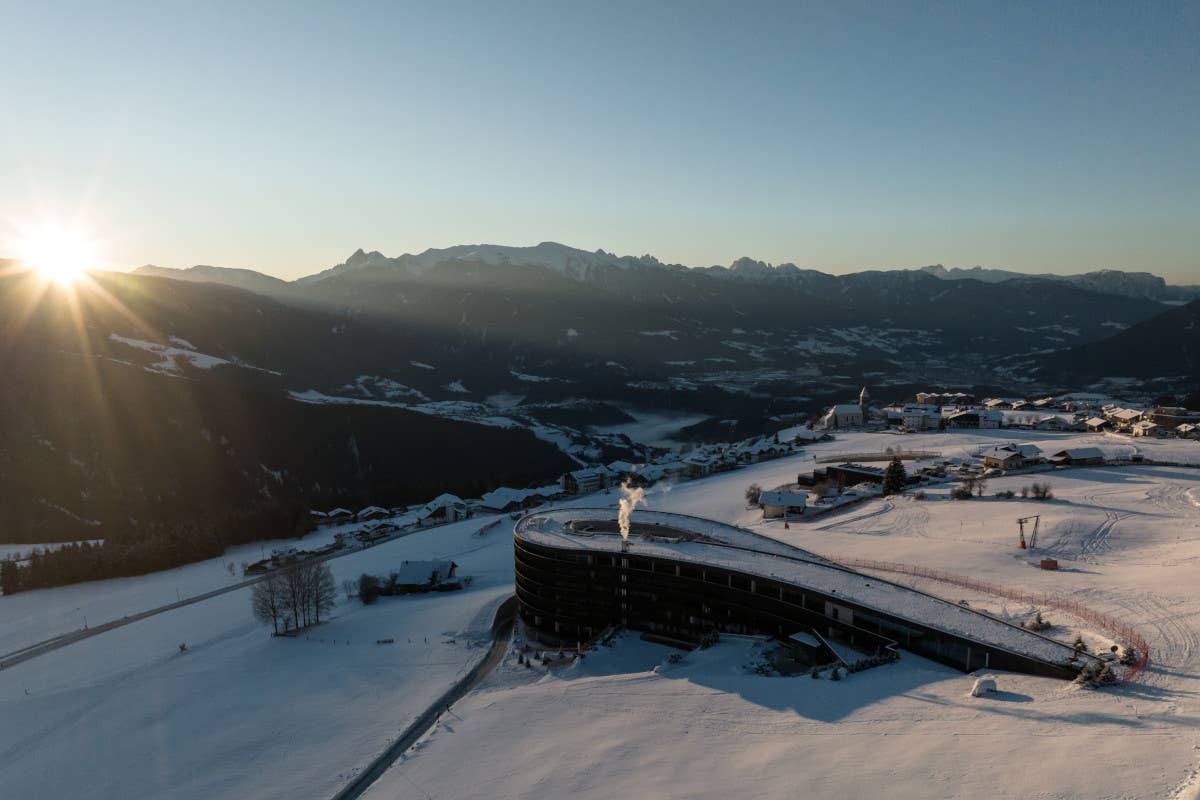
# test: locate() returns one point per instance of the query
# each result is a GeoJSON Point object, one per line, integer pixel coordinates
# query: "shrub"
{"type": "Point", "coordinates": [836, 675]}
{"type": "Point", "coordinates": [1007, 494]}
{"type": "Point", "coordinates": [1041, 491]}
{"type": "Point", "coordinates": [753, 492]}
{"type": "Point", "coordinates": [961, 493]}
{"type": "Point", "coordinates": [1096, 674]}
{"type": "Point", "coordinates": [368, 588]}
{"type": "Point", "coordinates": [1037, 623]}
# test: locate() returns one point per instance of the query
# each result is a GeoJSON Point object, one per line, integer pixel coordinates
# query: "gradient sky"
{"type": "Point", "coordinates": [838, 136]}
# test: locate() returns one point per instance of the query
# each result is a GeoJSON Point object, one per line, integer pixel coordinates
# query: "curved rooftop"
{"type": "Point", "coordinates": [707, 542]}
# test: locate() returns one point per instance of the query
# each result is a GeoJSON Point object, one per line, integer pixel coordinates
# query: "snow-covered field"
{"type": "Point", "coordinates": [125, 714]}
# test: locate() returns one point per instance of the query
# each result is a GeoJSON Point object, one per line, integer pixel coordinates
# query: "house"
{"type": "Point", "coordinates": [415, 575]}
{"type": "Point", "coordinates": [920, 420]}
{"type": "Point", "coordinates": [1078, 457]}
{"type": "Point", "coordinates": [587, 480]}
{"type": "Point", "coordinates": [1187, 430]}
{"type": "Point", "coordinates": [443, 508]}
{"type": "Point", "coordinates": [699, 466]}
{"type": "Point", "coordinates": [1097, 424]}
{"type": "Point", "coordinates": [974, 418]}
{"type": "Point", "coordinates": [759, 451]}
{"type": "Point", "coordinates": [782, 503]}
{"type": "Point", "coordinates": [1012, 456]}
{"type": "Point", "coordinates": [1143, 428]}
{"type": "Point", "coordinates": [505, 500]}
{"type": "Point", "coordinates": [1122, 418]}
{"type": "Point", "coordinates": [806, 436]}
{"type": "Point", "coordinates": [337, 516]}
{"type": "Point", "coordinates": [372, 512]}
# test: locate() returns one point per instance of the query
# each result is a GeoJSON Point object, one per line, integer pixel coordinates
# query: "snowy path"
{"type": "Point", "coordinates": [501, 634]}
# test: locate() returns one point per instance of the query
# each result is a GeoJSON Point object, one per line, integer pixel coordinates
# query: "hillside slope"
{"type": "Point", "coordinates": [147, 401]}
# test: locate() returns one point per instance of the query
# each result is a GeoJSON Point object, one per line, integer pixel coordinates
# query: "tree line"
{"type": "Point", "coordinates": [294, 596]}
{"type": "Point", "coordinates": [154, 546]}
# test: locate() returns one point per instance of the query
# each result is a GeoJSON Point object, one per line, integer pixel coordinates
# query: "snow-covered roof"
{"type": "Point", "coordinates": [782, 498]}
{"type": "Point", "coordinates": [846, 408]}
{"type": "Point", "coordinates": [1080, 453]}
{"type": "Point", "coordinates": [373, 511]}
{"type": "Point", "coordinates": [1127, 414]}
{"type": "Point", "coordinates": [446, 500]}
{"type": "Point", "coordinates": [416, 573]}
{"type": "Point", "coordinates": [499, 499]}
{"type": "Point", "coordinates": [1022, 450]}
{"type": "Point", "coordinates": [1186, 427]}
{"type": "Point", "coordinates": [739, 549]}
{"type": "Point", "coordinates": [1144, 425]}
{"type": "Point", "coordinates": [590, 472]}
{"type": "Point", "coordinates": [1096, 422]}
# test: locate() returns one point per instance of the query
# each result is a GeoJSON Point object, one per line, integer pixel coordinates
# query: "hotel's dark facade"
{"type": "Point", "coordinates": [570, 595]}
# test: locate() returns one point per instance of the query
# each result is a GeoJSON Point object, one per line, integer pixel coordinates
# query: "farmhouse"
{"type": "Point", "coordinates": [1122, 418]}
{"type": "Point", "coordinates": [444, 507]}
{"type": "Point", "coordinates": [1078, 457]}
{"type": "Point", "coordinates": [585, 481]}
{"type": "Point", "coordinates": [1012, 456]}
{"type": "Point", "coordinates": [415, 575]}
{"type": "Point", "coordinates": [782, 503]}
{"type": "Point", "coordinates": [1143, 428]}
{"type": "Point", "coordinates": [372, 512]}
{"type": "Point", "coordinates": [505, 500]}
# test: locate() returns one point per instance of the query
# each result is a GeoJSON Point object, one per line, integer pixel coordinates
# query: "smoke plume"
{"type": "Point", "coordinates": [630, 498]}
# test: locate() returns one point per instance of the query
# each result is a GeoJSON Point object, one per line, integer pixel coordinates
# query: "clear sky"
{"type": "Point", "coordinates": [281, 137]}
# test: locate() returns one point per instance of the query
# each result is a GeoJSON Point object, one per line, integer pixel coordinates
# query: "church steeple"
{"type": "Point", "coordinates": [864, 400]}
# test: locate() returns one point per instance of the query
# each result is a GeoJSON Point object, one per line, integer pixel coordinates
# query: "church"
{"type": "Point", "coordinates": [848, 415]}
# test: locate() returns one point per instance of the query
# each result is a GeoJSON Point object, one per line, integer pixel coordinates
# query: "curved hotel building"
{"type": "Point", "coordinates": [683, 577]}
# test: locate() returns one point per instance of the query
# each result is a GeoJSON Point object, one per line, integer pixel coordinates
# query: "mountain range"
{"type": "Point", "coordinates": [164, 394]}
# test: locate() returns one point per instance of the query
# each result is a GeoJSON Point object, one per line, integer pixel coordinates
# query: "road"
{"type": "Point", "coordinates": [62, 640]}
{"type": "Point", "coordinates": [501, 630]}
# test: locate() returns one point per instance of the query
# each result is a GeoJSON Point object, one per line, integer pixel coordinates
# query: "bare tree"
{"type": "Point", "coordinates": [267, 600]}
{"type": "Point", "coordinates": [294, 594]}
{"type": "Point", "coordinates": [324, 596]}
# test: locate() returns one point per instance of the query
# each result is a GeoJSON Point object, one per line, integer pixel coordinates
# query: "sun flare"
{"type": "Point", "coordinates": [58, 253]}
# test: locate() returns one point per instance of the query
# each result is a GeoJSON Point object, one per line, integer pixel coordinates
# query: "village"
{"type": "Point", "coordinates": [832, 484]}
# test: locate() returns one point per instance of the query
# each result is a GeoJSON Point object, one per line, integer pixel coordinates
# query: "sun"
{"type": "Point", "coordinates": [58, 253]}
